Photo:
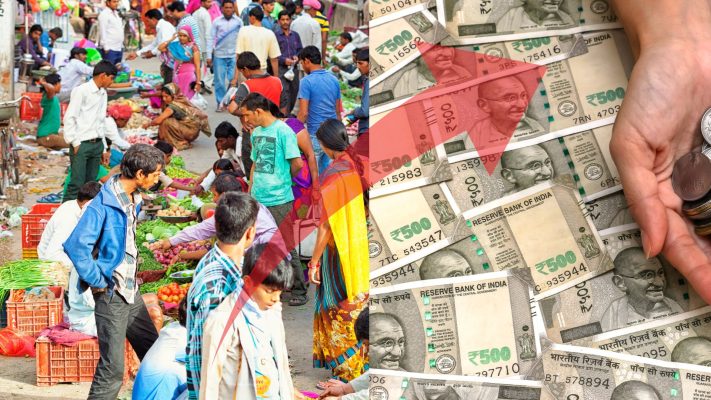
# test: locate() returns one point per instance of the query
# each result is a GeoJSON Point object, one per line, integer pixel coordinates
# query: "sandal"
{"type": "Point", "coordinates": [298, 300]}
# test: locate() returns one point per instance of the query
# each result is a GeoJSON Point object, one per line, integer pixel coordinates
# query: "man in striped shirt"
{"type": "Point", "coordinates": [177, 9]}
{"type": "Point", "coordinates": [218, 274]}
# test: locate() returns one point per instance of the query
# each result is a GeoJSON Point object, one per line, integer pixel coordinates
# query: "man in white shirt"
{"type": "Point", "coordinates": [57, 230]}
{"type": "Point", "coordinates": [260, 41]}
{"type": "Point", "coordinates": [204, 23]}
{"type": "Point", "coordinates": [85, 127]}
{"type": "Point", "coordinates": [344, 58]}
{"type": "Point", "coordinates": [74, 73]}
{"type": "Point", "coordinates": [308, 28]}
{"type": "Point", "coordinates": [164, 32]}
{"type": "Point", "coordinates": [111, 33]}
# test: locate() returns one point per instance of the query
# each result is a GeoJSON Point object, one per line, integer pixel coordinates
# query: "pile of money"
{"type": "Point", "coordinates": [504, 262]}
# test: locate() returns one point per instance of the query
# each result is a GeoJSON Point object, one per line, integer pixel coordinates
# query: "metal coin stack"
{"type": "Point", "coordinates": [691, 180]}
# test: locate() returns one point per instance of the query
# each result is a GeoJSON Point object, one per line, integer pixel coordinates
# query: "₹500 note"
{"type": "Point", "coordinates": [458, 326]}
{"type": "Point", "coordinates": [571, 372]}
{"type": "Point", "coordinates": [399, 38]}
{"type": "Point", "coordinates": [637, 290]}
{"type": "Point", "coordinates": [682, 338]}
{"type": "Point", "coordinates": [482, 21]}
{"type": "Point", "coordinates": [387, 385]}
{"type": "Point", "coordinates": [541, 232]}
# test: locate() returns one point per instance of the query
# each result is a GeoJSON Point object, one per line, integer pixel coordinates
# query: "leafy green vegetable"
{"type": "Point", "coordinates": [152, 287]}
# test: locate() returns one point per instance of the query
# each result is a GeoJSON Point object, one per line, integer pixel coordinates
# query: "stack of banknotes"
{"type": "Point", "coordinates": [513, 271]}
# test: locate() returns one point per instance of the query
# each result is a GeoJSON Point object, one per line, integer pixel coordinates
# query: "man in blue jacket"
{"type": "Point", "coordinates": [104, 252]}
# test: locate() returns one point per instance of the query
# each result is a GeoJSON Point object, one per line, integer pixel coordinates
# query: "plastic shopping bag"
{"type": "Point", "coordinates": [199, 102]}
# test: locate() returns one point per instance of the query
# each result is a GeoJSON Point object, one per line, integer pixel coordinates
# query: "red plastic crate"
{"type": "Point", "coordinates": [57, 363]}
{"type": "Point", "coordinates": [31, 110]}
{"type": "Point", "coordinates": [33, 224]}
{"type": "Point", "coordinates": [32, 317]}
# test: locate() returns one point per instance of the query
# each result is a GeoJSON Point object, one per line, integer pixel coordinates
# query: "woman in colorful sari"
{"type": "Point", "coordinates": [187, 60]}
{"type": "Point", "coordinates": [180, 123]}
{"type": "Point", "coordinates": [340, 260]}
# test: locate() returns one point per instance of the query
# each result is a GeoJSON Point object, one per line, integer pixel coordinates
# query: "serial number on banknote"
{"type": "Point", "coordinates": [579, 380]}
{"type": "Point", "coordinates": [401, 176]}
{"type": "Point", "coordinates": [500, 371]}
{"type": "Point", "coordinates": [392, 275]}
{"type": "Point", "coordinates": [604, 113]}
{"type": "Point", "coordinates": [388, 6]}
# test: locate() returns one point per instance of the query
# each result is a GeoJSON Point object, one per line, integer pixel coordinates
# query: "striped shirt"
{"type": "Point", "coordinates": [322, 21]}
{"type": "Point", "coordinates": [125, 274]}
{"type": "Point", "coordinates": [216, 277]}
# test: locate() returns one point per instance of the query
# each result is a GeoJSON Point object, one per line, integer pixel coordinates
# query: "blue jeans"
{"type": "Point", "coordinates": [322, 160]}
{"type": "Point", "coordinates": [223, 70]}
{"type": "Point", "coordinates": [112, 56]}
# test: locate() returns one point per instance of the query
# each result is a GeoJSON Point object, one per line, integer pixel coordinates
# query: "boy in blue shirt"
{"type": "Point", "coordinates": [276, 159]}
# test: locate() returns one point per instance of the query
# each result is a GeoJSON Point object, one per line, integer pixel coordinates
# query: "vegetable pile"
{"type": "Point", "coordinates": [135, 139]}
{"type": "Point", "coordinates": [178, 172]}
{"type": "Point", "coordinates": [23, 274]}
{"type": "Point", "coordinates": [175, 211]}
{"type": "Point", "coordinates": [173, 293]}
{"type": "Point", "coordinates": [169, 257]}
{"type": "Point", "coordinates": [153, 287]}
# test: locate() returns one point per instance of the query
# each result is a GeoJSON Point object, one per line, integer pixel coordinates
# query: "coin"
{"type": "Point", "coordinates": [691, 177]}
{"type": "Point", "coordinates": [706, 126]}
{"type": "Point", "coordinates": [706, 149]}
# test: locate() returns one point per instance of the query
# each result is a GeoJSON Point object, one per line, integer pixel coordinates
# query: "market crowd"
{"type": "Point", "coordinates": [290, 155]}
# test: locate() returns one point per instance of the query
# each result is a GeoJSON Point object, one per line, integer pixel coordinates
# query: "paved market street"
{"type": "Point", "coordinates": [17, 375]}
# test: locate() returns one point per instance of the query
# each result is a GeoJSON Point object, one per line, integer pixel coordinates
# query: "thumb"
{"type": "Point", "coordinates": [635, 160]}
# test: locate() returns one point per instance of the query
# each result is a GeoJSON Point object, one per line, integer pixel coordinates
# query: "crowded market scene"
{"type": "Point", "coordinates": [183, 199]}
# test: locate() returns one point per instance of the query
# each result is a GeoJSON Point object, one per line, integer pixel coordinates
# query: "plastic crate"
{"type": "Point", "coordinates": [33, 224]}
{"type": "Point", "coordinates": [32, 317]}
{"type": "Point", "coordinates": [57, 363]}
{"type": "Point", "coordinates": [31, 110]}
{"type": "Point", "coordinates": [29, 254]}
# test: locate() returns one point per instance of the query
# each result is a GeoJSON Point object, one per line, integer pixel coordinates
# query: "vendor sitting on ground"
{"type": "Point", "coordinates": [56, 232]}
{"type": "Point", "coordinates": [180, 123]}
{"type": "Point", "coordinates": [31, 45]}
{"type": "Point", "coordinates": [164, 180]}
{"type": "Point", "coordinates": [74, 73]}
{"type": "Point", "coordinates": [225, 182]}
{"type": "Point", "coordinates": [226, 143]}
{"type": "Point", "coordinates": [48, 129]}
{"type": "Point", "coordinates": [117, 119]}
{"type": "Point", "coordinates": [160, 375]}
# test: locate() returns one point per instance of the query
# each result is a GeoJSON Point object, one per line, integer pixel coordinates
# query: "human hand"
{"type": "Point", "coordinates": [657, 124]}
{"type": "Point", "coordinates": [76, 149]}
{"type": "Point", "coordinates": [146, 125]}
{"type": "Point", "coordinates": [335, 388]}
{"type": "Point", "coordinates": [197, 190]}
{"type": "Point", "coordinates": [105, 157]}
{"type": "Point", "coordinates": [314, 272]}
{"type": "Point", "coordinates": [131, 56]}
{"type": "Point", "coordinates": [336, 69]}
{"type": "Point", "coordinates": [209, 63]}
